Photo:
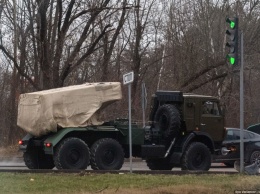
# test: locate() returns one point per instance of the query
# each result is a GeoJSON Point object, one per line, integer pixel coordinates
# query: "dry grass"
{"type": "Point", "coordinates": [127, 183]}
{"type": "Point", "coordinates": [177, 189]}
{"type": "Point", "coordinates": [170, 190]}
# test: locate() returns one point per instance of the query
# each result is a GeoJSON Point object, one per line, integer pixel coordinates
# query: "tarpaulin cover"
{"type": "Point", "coordinates": [74, 106]}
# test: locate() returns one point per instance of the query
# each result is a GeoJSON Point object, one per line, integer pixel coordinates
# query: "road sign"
{"type": "Point", "coordinates": [128, 78]}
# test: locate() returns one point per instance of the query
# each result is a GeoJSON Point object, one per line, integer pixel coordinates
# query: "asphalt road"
{"type": "Point", "coordinates": [17, 163]}
{"type": "Point", "coordinates": [218, 167]}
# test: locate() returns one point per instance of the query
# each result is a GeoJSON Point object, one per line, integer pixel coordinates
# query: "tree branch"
{"type": "Point", "coordinates": [66, 22]}
{"type": "Point", "coordinates": [201, 72]}
{"type": "Point", "coordinates": [70, 67]}
{"type": "Point", "coordinates": [196, 86]}
{"type": "Point", "coordinates": [18, 68]}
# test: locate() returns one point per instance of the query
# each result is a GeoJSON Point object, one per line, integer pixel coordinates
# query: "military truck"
{"type": "Point", "coordinates": [184, 130]}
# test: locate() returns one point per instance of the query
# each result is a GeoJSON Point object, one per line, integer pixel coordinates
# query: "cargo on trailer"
{"type": "Point", "coordinates": [74, 106]}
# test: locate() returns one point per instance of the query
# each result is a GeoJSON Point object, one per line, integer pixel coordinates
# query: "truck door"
{"type": "Point", "coordinates": [211, 120]}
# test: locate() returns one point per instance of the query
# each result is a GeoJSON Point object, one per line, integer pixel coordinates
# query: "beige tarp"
{"type": "Point", "coordinates": [74, 106]}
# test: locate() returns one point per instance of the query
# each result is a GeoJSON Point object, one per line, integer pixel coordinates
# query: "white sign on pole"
{"type": "Point", "coordinates": [128, 78]}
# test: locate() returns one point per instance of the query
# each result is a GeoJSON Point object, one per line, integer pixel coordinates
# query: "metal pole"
{"type": "Point", "coordinates": [143, 102]}
{"type": "Point", "coordinates": [130, 126]}
{"type": "Point", "coordinates": [242, 106]}
{"type": "Point", "coordinates": [143, 117]}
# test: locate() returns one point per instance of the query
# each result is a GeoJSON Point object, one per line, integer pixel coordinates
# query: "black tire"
{"type": "Point", "coordinates": [37, 159]}
{"type": "Point", "coordinates": [167, 119]}
{"type": "Point", "coordinates": [196, 157]}
{"type": "Point", "coordinates": [72, 153]}
{"type": "Point", "coordinates": [159, 164]}
{"type": "Point", "coordinates": [106, 154]}
{"type": "Point", "coordinates": [255, 158]}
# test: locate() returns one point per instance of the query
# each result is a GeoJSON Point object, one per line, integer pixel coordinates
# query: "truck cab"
{"type": "Point", "coordinates": [203, 113]}
{"type": "Point", "coordinates": [190, 127]}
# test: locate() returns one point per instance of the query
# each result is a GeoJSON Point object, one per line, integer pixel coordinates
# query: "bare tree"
{"type": "Point", "coordinates": [51, 36]}
{"type": "Point", "coordinates": [139, 39]}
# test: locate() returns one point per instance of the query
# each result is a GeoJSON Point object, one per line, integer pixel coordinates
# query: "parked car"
{"type": "Point", "coordinates": [254, 128]}
{"type": "Point", "coordinates": [232, 143]}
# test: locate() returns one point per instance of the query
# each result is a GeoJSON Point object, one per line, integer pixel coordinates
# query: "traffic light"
{"type": "Point", "coordinates": [232, 32]}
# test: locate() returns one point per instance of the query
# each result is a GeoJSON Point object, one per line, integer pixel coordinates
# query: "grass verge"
{"type": "Point", "coordinates": [126, 183]}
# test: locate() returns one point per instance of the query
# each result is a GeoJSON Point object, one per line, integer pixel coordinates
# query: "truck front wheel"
{"type": "Point", "coordinates": [106, 154]}
{"type": "Point", "coordinates": [72, 153]}
{"type": "Point", "coordinates": [37, 159]}
{"type": "Point", "coordinates": [196, 157]}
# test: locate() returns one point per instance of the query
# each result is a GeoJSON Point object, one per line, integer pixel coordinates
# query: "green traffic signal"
{"type": "Point", "coordinates": [232, 59]}
{"type": "Point", "coordinates": [232, 24]}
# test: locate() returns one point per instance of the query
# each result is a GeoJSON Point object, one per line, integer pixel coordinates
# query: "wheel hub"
{"type": "Point", "coordinates": [198, 159]}
{"type": "Point", "coordinates": [74, 156]}
{"type": "Point", "coordinates": [256, 159]}
{"type": "Point", "coordinates": [163, 122]}
{"type": "Point", "coordinates": [109, 156]}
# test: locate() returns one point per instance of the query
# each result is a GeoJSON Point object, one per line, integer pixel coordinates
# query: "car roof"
{"type": "Point", "coordinates": [245, 130]}
{"type": "Point", "coordinates": [254, 128]}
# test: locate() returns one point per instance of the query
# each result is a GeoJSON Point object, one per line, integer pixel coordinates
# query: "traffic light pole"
{"type": "Point", "coordinates": [242, 104]}
{"type": "Point", "coordinates": [233, 58]}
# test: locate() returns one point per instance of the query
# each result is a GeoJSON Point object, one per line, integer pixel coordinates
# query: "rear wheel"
{"type": "Point", "coordinates": [72, 153]}
{"type": "Point", "coordinates": [37, 159]}
{"type": "Point", "coordinates": [159, 164]}
{"type": "Point", "coordinates": [196, 157]}
{"type": "Point", "coordinates": [107, 154]}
